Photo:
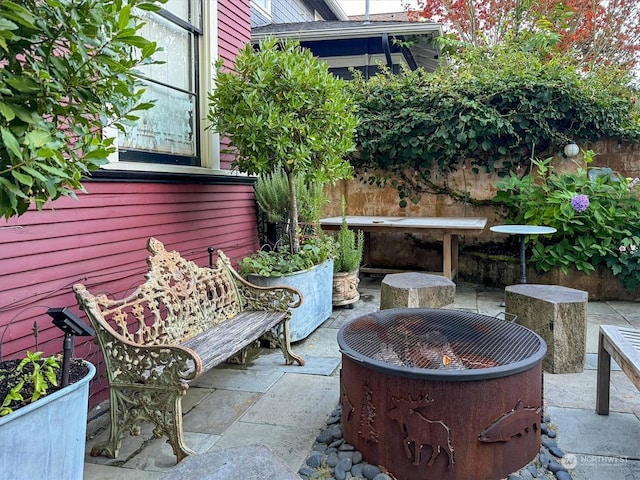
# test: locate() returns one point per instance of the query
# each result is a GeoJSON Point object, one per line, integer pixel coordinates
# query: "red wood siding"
{"type": "Point", "coordinates": [234, 28]}
{"type": "Point", "coordinates": [100, 240]}
{"type": "Point", "coordinates": [234, 31]}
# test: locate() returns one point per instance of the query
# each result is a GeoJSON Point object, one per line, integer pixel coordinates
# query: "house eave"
{"type": "Point", "coordinates": [361, 30]}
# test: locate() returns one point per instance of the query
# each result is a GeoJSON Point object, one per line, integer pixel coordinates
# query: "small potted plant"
{"type": "Point", "coordinates": [346, 264]}
{"type": "Point", "coordinates": [38, 416]}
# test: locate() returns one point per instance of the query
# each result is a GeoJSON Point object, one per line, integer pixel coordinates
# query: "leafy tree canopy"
{"type": "Point", "coordinates": [494, 107]}
{"type": "Point", "coordinates": [282, 108]}
{"type": "Point", "coordinates": [66, 72]}
{"type": "Point", "coordinates": [595, 33]}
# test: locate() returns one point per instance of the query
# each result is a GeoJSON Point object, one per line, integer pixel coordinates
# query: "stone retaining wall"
{"type": "Point", "coordinates": [501, 271]}
{"type": "Point", "coordinates": [423, 252]}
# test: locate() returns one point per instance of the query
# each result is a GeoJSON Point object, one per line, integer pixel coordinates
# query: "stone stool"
{"type": "Point", "coordinates": [559, 315]}
{"type": "Point", "coordinates": [416, 290]}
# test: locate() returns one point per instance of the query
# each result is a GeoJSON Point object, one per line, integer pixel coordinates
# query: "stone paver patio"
{"type": "Point", "coordinates": [285, 407]}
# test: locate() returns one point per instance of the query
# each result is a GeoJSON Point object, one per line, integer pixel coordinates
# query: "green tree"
{"type": "Point", "coordinates": [281, 108]}
{"type": "Point", "coordinates": [596, 33]}
{"type": "Point", "coordinates": [67, 70]}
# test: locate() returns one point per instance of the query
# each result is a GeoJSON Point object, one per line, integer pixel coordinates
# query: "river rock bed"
{"type": "Point", "coordinates": [332, 458]}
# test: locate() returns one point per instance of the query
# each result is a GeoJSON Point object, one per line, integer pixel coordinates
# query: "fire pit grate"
{"type": "Point", "coordinates": [436, 343]}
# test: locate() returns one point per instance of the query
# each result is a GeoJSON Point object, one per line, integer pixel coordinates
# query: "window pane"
{"type": "Point", "coordinates": [168, 128]}
{"type": "Point", "coordinates": [261, 3]}
{"type": "Point", "coordinates": [187, 10]}
{"type": "Point", "coordinates": [167, 133]}
{"type": "Point", "coordinates": [177, 53]}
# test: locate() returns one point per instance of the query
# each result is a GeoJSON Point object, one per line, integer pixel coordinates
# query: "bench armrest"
{"type": "Point", "coordinates": [129, 361]}
{"type": "Point", "coordinates": [162, 365]}
{"type": "Point", "coordinates": [268, 299]}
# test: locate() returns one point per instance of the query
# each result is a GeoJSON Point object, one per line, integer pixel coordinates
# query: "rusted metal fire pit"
{"type": "Point", "coordinates": [441, 394]}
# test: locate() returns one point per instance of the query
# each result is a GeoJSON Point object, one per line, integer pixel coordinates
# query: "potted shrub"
{"type": "Point", "coordinates": [66, 74]}
{"type": "Point", "coordinates": [309, 270]}
{"type": "Point", "coordinates": [281, 109]}
{"type": "Point", "coordinates": [346, 264]}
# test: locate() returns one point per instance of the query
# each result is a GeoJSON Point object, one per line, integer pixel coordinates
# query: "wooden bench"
{"type": "Point", "coordinates": [182, 321]}
{"type": "Point", "coordinates": [623, 344]}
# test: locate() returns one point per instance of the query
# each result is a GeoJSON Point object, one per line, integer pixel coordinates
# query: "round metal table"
{"type": "Point", "coordinates": [522, 231]}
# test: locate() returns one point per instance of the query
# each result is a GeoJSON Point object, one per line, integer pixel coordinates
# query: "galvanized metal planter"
{"type": "Point", "coordinates": [46, 439]}
{"type": "Point", "coordinates": [316, 285]}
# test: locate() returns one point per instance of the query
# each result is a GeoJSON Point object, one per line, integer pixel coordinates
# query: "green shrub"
{"type": "Point", "coordinates": [626, 265]}
{"type": "Point", "coordinates": [282, 108]}
{"type": "Point", "coordinates": [272, 195]}
{"type": "Point", "coordinates": [491, 107]}
{"type": "Point", "coordinates": [349, 246]}
{"type": "Point", "coordinates": [593, 213]}
{"type": "Point", "coordinates": [314, 250]}
{"type": "Point", "coordinates": [67, 72]}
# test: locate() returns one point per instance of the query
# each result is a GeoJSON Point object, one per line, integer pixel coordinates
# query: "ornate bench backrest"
{"type": "Point", "coordinates": [178, 300]}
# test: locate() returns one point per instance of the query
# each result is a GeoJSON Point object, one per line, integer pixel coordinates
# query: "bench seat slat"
{"type": "Point", "coordinates": [626, 347]}
{"type": "Point", "coordinates": [223, 340]}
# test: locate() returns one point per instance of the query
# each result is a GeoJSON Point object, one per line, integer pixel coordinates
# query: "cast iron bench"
{"type": "Point", "coordinates": [182, 321]}
{"type": "Point", "coordinates": [623, 344]}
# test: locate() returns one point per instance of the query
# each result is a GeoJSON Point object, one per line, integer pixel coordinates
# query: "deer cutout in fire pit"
{"type": "Point", "coordinates": [515, 422]}
{"type": "Point", "coordinates": [421, 431]}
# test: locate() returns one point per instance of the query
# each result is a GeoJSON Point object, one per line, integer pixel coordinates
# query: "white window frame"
{"type": "Point", "coordinates": [264, 9]}
{"type": "Point", "coordinates": [209, 141]}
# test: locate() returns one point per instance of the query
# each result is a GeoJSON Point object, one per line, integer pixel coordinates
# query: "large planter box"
{"type": "Point", "coordinates": [316, 285]}
{"type": "Point", "coordinates": [46, 439]}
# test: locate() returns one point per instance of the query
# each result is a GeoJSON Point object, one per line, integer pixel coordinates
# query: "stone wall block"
{"type": "Point", "coordinates": [416, 290]}
{"type": "Point", "coordinates": [559, 315]}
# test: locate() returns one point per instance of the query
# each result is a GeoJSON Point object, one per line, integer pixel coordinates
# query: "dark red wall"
{"type": "Point", "coordinates": [100, 240]}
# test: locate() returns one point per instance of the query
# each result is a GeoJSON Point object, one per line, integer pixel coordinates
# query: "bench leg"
{"type": "Point", "coordinates": [169, 423]}
{"type": "Point", "coordinates": [280, 336]}
{"type": "Point", "coordinates": [603, 378]}
{"type": "Point", "coordinates": [111, 447]}
{"type": "Point", "coordinates": [133, 404]}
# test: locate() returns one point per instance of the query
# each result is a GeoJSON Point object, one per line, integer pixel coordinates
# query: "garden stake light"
{"type": "Point", "coordinates": [70, 325]}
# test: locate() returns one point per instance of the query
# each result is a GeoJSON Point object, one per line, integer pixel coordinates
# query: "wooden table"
{"type": "Point", "coordinates": [447, 227]}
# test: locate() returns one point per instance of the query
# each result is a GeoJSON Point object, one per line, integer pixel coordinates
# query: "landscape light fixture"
{"type": "Point", "coordinates": [72, 326]}
{"type": "Point", "coordinates": [571, 150]}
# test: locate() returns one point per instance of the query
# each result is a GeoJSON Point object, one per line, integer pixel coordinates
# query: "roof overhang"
{"type": "Point", "coordinates": [336, 38]}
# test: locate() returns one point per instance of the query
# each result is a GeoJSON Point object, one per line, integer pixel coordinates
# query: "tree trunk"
{"type": "Point", "coordinates": [294, 237]}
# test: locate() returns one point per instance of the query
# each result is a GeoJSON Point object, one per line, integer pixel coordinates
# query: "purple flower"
{"type": "Point", "coordinates": [580, 203]}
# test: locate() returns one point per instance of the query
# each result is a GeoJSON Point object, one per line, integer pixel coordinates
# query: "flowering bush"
{"type": "Point", "coordinates": [593, 216]}
{"type": "Point", "coordinates": [626, 265]}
